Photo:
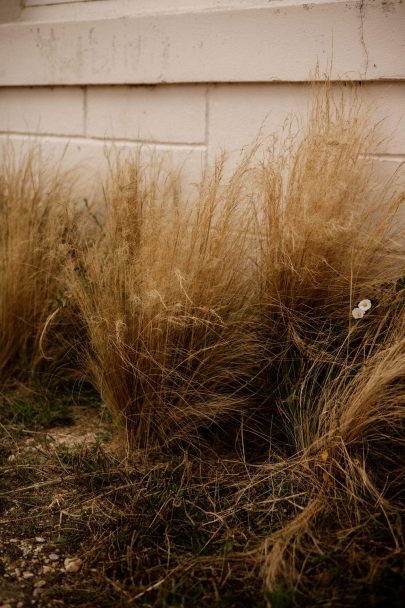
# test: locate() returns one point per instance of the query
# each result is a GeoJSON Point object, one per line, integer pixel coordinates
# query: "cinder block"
{"type": "Point", "coordinates": [90, 159]}
{"type": "Point", "coordinates": [391, 172]}
{"type": "Point", "coordinates": [154, 113]}
{"type": "Point", "coordinates": [386, 102]}
{"type": "Point", "coordinates": [58, 110]}
{"type": "Point", "coordinates": [381, 32]}
{"type": "Point", "coordinates": [239, 114]}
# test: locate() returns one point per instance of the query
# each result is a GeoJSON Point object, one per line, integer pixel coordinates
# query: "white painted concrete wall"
{"type": "Point", "coordinates": [190, 78]}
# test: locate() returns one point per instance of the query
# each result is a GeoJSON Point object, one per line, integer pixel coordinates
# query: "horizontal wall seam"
{"type": "Point", "coordinates": [211, 83]}
{"type": "Point", "coordinates": [78, 139]}
{"type": "Point", "coordinates": [83, 139]}
{"type": "Point", "coordinates": [390, 157]}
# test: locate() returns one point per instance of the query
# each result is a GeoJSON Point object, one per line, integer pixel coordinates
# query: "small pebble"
{"type": "Point", "coordinates": [27, 574]}
{"type": "Point", "coordinates": [53, 557]}
{"type": "Point", "coordinates": [39, 539]}
{"type": "Point", "coordinates": [40, 583]}
{"type": "Point", "coordinates": [47, 569]}
{"type": "Point", "coordinates": [20, 605]}
{"type": "Point", "coordinates": [12, 458]}
{"type": "Point", "coordinates": [72, 564]}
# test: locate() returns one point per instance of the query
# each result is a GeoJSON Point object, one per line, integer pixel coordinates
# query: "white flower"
{"type": "Point", "coordinates": [365, 305]}
{"type": "Point", "coordinates": [358, 313]}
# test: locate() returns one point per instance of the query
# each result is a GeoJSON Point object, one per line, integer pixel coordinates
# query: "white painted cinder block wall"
{"type": "Point", "coordinates": [190, 77]}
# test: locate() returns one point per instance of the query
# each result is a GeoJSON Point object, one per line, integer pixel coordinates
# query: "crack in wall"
{"type": "Point", "coordinates": [362, 7]}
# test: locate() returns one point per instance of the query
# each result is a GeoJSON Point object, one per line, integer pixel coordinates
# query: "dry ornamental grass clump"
{"type": "Point", "coordinates": [334, 237]}
{"type": "Point", "coordinates": [257, 323]}
{"type": "Point", "coordinates": [36, 215]}
{"type": "Point", "coordinates": [166, 294]}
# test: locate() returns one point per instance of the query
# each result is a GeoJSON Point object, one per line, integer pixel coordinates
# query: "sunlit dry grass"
{"type": "Point", "coordinates": [36, 213]}
{"type": "Point", "coordinates": [218, 330]}
{"type": "Point", "coordinates": [166, 294]}
{"type": "Point", "coordinates": [334, 236]}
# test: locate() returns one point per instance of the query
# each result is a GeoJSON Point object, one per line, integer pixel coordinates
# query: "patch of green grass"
{"type": "Point", "coordinates": [280, 597]}
{"type": "Point", "coordinates": [39, 412]}
{"type": "Point", "coordinates": [38, 406]}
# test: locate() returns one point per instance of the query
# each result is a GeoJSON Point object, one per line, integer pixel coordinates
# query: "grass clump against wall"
{"type": "Point", "coordinates": [334, 242]}
{"type": "Point", "coordinates": [36, 214]}
{"type": "Point", "coordinates": [166, 294]}
{"type": "Point", "coordinates": [250, 335]}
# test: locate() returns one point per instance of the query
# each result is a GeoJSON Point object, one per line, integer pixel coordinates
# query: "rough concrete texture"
{"type": "Point", "coordinates": [279, 41]}
{"type": "Point", "coordinates": [194, 78]}
{"type": "Point", "coordinates": [161, 114]}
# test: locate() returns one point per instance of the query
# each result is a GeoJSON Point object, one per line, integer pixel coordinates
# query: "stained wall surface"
{"type": "Point", "coordinates": [191, 77]}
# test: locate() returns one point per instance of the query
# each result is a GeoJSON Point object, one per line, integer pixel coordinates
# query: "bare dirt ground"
{"type": "Point", "coordinates": [81, 527]}
{"type": "Point", "coordinates": [35, 509]}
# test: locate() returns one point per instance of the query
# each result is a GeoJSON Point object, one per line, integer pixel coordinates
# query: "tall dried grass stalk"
{"type": "Point", "coordinates": [229, 315]}
{"type": "Point", "coordinates": [164, 293]}
{"type": "Point", "coordinates": [333, 236]}
{"type": "Point", "coordinates": [34, 218]}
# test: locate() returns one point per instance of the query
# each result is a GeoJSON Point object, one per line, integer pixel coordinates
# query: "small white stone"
{"type": "Point", "coordinates": [53, 557]}
{"type": "Point", "coordinates": [27, 574]}
{"type": "Point", "coordinates": [40, 583]}
{"type": "Point", "coordinates": [39, 539]}
{"type": "Point", "coordinates": [365, 305]}
{"type": "Point", "coordinates": [12, 458]}
{"type": "Point", "coordinates": [73, 564]}
{"type": "Point", "coordinates": [357, 313]}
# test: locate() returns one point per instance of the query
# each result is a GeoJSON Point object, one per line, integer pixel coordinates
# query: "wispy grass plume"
{"type": "Point", "coordinates": [164, 293]}
{"type": "Point", "coordinates": [334, 242]}
{"type": "Point", "coordinates": [248, 341]}
{"type": "Point", "coordinates": [35, 216]}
